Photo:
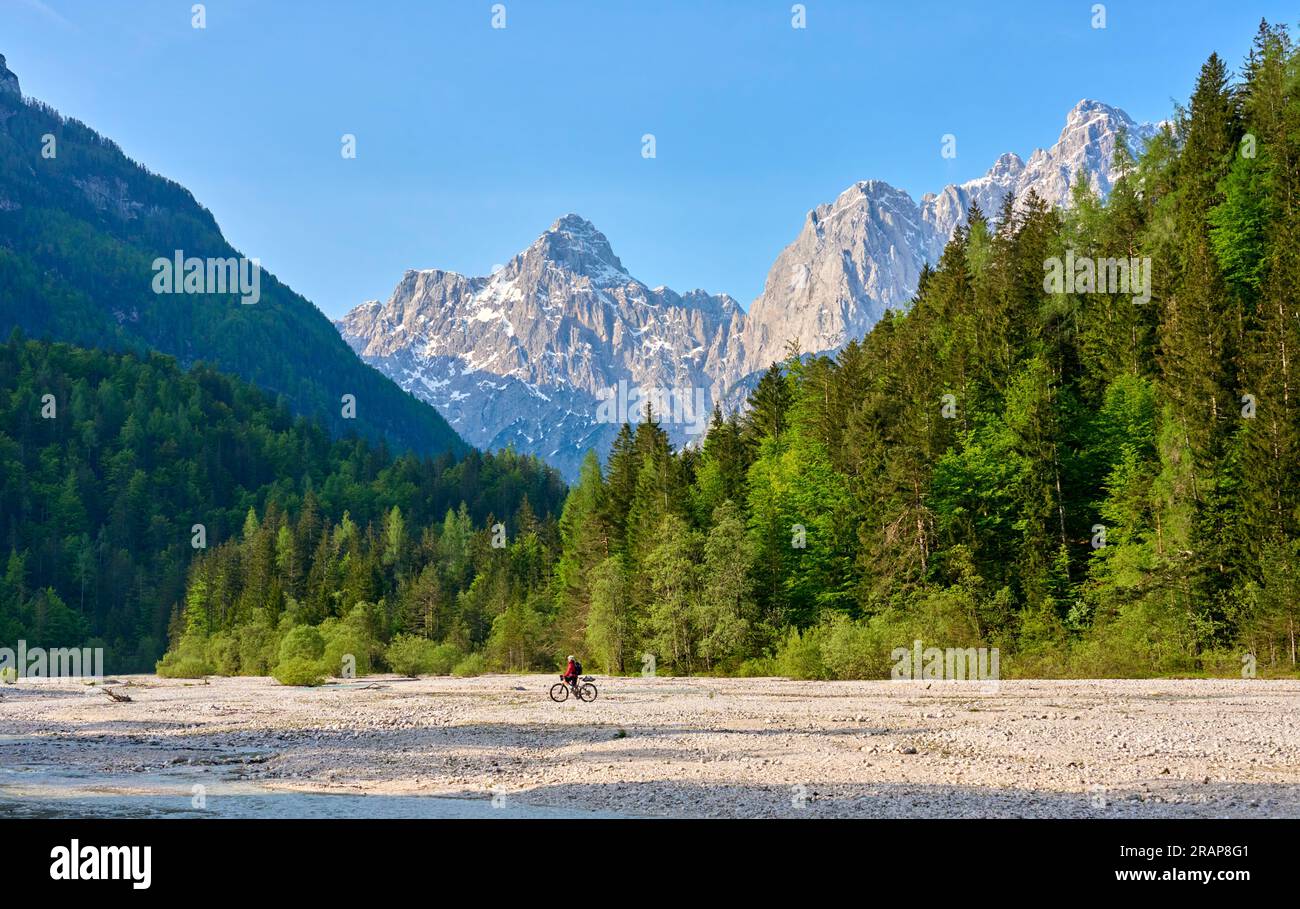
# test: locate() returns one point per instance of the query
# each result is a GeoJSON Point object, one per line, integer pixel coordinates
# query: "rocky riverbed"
{"type": "Point", "coordinates": [670, 747]}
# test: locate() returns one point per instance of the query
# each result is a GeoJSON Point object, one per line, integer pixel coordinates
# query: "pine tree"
{"type": "Point", "coordinates": [624, 466]}
{"type": "Point", "coordinates": [768, 406]}
{"type": "Point", "coordinates": [585, 543]}
{"type": "Point", "coordinates": [1201, 331]}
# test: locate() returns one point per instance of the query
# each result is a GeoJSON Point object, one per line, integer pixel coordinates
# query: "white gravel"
{"type": "Point", "coordinates": [696, 747]}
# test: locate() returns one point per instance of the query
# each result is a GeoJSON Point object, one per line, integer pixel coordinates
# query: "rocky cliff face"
{"type": "Point", "coordinates": [862, 254]}
{"type": "Point", "coordinates": [1087, 144]}
{"type": "Point", "coordinates": [853, 259]}
{"type": "Point", "coordinates": [526, 355]}
{"type": "Point", "coordinates": [8, 81]}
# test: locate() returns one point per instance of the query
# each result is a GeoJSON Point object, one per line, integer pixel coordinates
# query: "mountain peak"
{"type": "Point", "coordinates": [1088, 110]}
{"type": "Point", "coordinates": [1089, 105]}
{"type": "Point", "coordinates": [874, 190]}
{"type": "Point", "coordinates": [574, 243]}
{"type": "Point", "coordinates": [527, 356]}
{"type": "Point", "coordinates": [576, 231]}
{"type": "Point", "coordinates": [863, 192]}
{"type": "Point", "coordinates": [1009, 163]}
{"type": "Point", "coordinates": [8, 81]}
{"type": "Point", "coordinates": [573, 222]}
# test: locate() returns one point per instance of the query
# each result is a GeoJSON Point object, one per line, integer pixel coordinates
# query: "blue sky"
{"type": "Point", "coordinates": [472, 140]}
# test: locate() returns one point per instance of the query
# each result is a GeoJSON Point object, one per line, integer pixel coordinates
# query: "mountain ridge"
{"type": "Point", "coordinates": [486, 350]}
{"type": "Point", "coordinates": [563, 322]}
{"type": "Point", "coordinates": [79, 230]}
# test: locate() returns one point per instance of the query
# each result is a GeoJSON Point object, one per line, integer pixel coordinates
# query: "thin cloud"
{"type": "Point", "coordinates": [47, 11]}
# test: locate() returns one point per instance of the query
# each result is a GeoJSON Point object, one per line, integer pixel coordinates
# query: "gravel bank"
{"type": "Point", "coordinates": [693, 747]}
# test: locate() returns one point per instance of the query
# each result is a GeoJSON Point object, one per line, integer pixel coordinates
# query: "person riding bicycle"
{"type": "Point", "coordinates": [571, 672]}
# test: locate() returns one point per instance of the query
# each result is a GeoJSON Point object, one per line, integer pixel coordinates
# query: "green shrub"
{"type": "Point", "coordinates": [938, 618]}
{"type": "Point", "coordinates": [757, 667]}
{"type": "Point", "coordinates": [302, 642]}
{"type": "Point", "coordinates": [515, 640]}
{"type": "Point", "coordinates": [349, 636]}
{"type": "Point", "coordinates": [1227, 664]}
{"type": "Point", "coordinates": [411, 655]}
{"type": "Point", "coordinates": [474, 664]}
{"type": "Point", "coordinates": [223, 653]}
{"type": "Point", "coordinates": [187, 660]}
{"type": "Point", "coordinates": [799, 656]}
{"type": "Point", "coordinates": [346, 644]}
{"type": "Point", "coordinates": [443, 659]}
{"type": "Point", "coordinates": [259, 648]}
{"type": "Point", "coordinates": [173, 666]}
{"type": "Point", "coordinates": [854, 650]}
{"type": "Point", "coordinates": [1139, 639]}
{"type": "Point", "coordinates": [299, 671]}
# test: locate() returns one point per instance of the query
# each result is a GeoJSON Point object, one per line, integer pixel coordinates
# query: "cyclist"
{"type": "Point", "coordinates": [571, 673]}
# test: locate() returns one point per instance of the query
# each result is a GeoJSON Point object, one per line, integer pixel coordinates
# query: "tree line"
{"type": "Point", "coordinates": [1095, 482]}
{"type": "Point", "coordinates": [117, 471]}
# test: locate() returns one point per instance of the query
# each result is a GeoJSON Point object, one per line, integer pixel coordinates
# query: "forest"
{"type": "Point", "coordinates": [109, 462]}
{"type": "Point", "coordinates": [1096, 483]}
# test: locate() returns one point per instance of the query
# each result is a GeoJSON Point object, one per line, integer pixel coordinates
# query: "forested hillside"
{"type": "Point", "coordinates": [108, 461]}
{"type": "Point", "coordinates": [1093, 483]}
{"type": "Point", "coordinates": [81, 225]}
{"type": "Point", "coordinates": [1094, 480]}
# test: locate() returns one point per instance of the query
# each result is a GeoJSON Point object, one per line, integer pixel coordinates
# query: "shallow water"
{"type": "Point", "coordinates": [42, 793]}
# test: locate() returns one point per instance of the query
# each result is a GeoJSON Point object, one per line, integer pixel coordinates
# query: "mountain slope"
{"type": "Point", "coordinates": [79, 232]}
{"type": "Point", "coordinates": [862, 254]}
{"type": "Point", "coordinates": [853, 259]}
{"type": "Point", "coordinates": [524, 356]}
{"type": "Point", "coordinates": [1086, 145]}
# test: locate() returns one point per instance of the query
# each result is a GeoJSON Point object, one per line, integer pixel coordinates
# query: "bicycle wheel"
{"type": "Point", "coordinates": [587, 692]}
{"type": "Point", "coordinates": [559, 692]}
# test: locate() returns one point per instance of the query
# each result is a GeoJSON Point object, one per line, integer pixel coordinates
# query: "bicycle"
{"type": "Point", "coordinates": [585, 692]}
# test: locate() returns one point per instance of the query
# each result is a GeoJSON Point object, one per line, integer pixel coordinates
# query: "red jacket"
{"type": "Point", "coordinates": [571, 669]}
